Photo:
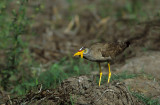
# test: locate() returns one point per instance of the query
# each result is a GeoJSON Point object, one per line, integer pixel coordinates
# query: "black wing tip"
{"type": "Point", "coordinates": [127, 43]}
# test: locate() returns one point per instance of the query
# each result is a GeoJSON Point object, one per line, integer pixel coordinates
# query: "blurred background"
{"type": "Point", "coordinates": [39, 37]}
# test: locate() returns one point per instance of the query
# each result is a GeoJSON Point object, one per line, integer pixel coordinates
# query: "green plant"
{"type": "Point", "coordinates": [62, 70]}
{"type": "Point", "coordinates": [67, 67]}
{"type": "Point", "coordinates": [120, 77]}
{"type": "Point", "coordinates": [72, 101]}
{"type": "Point", "coordinates": [71, 4]}
{"type": "Point", "coordinates": [53, 76]}
{"type": "Point", "coordinates": [13, 43]}
{"type": "Point", "coordinates": [123, 75]}
{"type": "Point", "coordinates": [146, 100]}
{"type": "Point", "coordinates": [5, 22]}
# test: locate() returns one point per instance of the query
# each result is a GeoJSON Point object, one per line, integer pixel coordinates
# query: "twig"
{"type": "Point", "coordinates": [9, 99]}
{"type": "Point", "coordinates": [108, 90]}
{"type": "Point", "coordinates": [40, 89]}
{"type": "Point", "coordinates": [42, 98]}
{"type": "Point", "coordinates": [48, 91]}
{"type": "Point", "coordinates": [152, 86]}
{"type": "Point", "coordinates": [24, 103]}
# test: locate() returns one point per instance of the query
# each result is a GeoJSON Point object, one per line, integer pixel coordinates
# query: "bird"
{"type": "Point", "coordinates": [102, 52]}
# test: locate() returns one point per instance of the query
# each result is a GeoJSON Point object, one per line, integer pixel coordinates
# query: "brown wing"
{"type": "Point", "coordinates": [112, 49]}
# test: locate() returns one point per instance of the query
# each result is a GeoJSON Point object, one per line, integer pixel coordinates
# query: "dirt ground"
{"type": "Point", "coordinates": [58, 37]}
{"type": "Point", "coordinates": [81, 91]}
{"type": "Point", "coordinates": [147, 63]}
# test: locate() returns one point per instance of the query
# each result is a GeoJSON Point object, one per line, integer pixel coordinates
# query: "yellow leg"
{"type": "Point", "coordinates": [100, 73]}
{"type": "Point", "coordinates": [109, 74]}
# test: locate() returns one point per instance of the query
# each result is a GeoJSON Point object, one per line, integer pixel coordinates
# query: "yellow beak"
{"type": "Point", "coordinates": [79, 53]}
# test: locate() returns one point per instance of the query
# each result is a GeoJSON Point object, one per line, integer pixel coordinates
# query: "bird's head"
{"type": "Point", "coordinates": [82, 52]}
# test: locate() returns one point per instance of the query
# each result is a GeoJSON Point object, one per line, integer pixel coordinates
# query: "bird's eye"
{"type": "Point", "coordinates": [85, 51]}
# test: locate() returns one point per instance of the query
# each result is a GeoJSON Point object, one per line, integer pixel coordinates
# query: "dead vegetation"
{"type": "Point", "coordinates": [80, 91]}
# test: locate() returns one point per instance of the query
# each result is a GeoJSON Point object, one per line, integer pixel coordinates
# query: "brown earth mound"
{"type": "Point", "coordinates": [81, 91]}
